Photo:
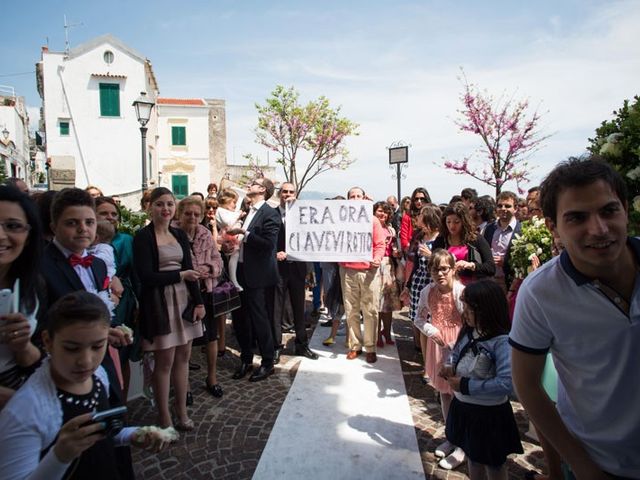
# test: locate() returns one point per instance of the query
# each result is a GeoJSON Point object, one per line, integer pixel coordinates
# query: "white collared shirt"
{"type": "Point", "coordinates": [247, 224]}
{"type": "Point", "coordinates": [84, 273]}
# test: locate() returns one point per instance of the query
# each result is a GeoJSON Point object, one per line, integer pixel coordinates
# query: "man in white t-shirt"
{"type": "Point", "coordinates": [584, 306]}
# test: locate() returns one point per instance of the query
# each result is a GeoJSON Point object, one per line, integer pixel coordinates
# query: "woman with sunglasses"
{"type": "Point", "coordinates": [419, 198]}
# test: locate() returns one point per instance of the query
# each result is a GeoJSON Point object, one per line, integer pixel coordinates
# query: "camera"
{"type": "Point", "coordinates": [112, 418]}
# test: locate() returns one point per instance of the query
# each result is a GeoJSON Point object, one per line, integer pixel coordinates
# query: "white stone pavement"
{"type": "Point", "coordinates": [343, 419]}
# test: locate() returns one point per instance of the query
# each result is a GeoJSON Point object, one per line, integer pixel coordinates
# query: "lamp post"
{"type": "Point", "coordinates": [5, 134]}
{"type": "Point", "coordinates": [143, 108]}
{"type": "Point", "coordinates": [398, 156]}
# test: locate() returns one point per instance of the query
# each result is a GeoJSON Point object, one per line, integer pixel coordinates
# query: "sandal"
{"type": "Point", "coordinates": [328, 341]}
{"type": "Point", "coordinates": [222, 353]}
{"type": "Point", "coordinates": [185, 426]}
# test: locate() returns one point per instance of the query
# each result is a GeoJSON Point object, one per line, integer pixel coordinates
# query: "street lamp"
{"type": "Point", "coordinates": [5, 134]}
{"type": "Point", "coordinates": [143, 108]}
{"type": "Point", "coordinates": [398, 156]}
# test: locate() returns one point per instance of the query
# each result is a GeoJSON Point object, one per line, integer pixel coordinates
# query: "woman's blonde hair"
{"type": "Point", "coordinates": [226, 195]}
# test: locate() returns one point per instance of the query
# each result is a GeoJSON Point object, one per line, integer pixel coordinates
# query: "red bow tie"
{"type": "Point", "coordinates": [82, 261]}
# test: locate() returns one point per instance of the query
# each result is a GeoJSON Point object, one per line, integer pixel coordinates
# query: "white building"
{"type": "Point", "coordinates": [183, 145]}
{"type": "Point", "coordinates": [92, 133]}
{"type": "Point", "coordinates": [14, 135]}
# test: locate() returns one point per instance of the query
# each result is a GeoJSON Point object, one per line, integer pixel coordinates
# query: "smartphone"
{"type": "Point", "coordinates": [6, 301]}
{"type": "Point", "coordinates": [113, 419]}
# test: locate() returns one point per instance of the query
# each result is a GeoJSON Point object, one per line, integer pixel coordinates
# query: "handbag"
{"type": "Point", "coordinates": [226, 297]}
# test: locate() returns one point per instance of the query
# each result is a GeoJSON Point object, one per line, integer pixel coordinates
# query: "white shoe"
{"type": "Point", "coordinates": [453, 460]}
{"type": "Point", "coordinates": [444, 449]}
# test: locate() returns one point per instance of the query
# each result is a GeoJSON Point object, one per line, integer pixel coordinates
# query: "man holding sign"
{"type": "Point", "coordinates": [361, 291]}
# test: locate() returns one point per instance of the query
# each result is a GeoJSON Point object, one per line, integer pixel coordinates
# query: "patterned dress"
{"type": "Point", "coordinates": [446, 318]}
{"type": "Point", "coordinates": [421, 278]}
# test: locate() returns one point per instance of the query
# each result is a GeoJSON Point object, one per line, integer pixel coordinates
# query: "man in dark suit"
{"type": "Point", "coordinates": [67, 268]}
{"type": "Point", "coordinates": [258, 275]}
{"type": "Point", "coordinates": [499, 235]}
{"type": "Point", "coordinates": [290, 284]}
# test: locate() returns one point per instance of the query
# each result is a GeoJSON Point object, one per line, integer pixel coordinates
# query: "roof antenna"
{"type": "Point", "coordinates": [66, 34]}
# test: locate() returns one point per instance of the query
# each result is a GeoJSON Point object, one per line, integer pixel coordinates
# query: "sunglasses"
{"type": "Point", "coordinates": [419, 199]}
{"type": "Point", "coordinates": [287, 191]}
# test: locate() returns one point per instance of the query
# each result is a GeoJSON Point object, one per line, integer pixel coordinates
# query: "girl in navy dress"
{"type": "Point", "coordinates": [480, 418]}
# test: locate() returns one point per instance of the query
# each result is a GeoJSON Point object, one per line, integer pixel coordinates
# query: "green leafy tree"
{"type": "Point", "coordinates": [308, 139]}
{"type": "Point", "coordinates": [618, 141]}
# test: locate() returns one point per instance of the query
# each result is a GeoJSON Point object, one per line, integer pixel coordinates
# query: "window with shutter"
{"type": "Point", "coordinates": [180, 186]}
{"type": "Point", "coordinates": [64, 128]}
{"type": "Point", "coordinates": [178, 135]}
{"type": "Point", "coordinates": [109, 99]}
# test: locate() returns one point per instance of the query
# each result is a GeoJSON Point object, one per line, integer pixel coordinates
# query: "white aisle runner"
{"type": "Point", "coordinates": [343, 419]}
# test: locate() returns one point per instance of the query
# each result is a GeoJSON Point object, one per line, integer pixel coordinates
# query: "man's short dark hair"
{"type": "Point", "coordinates": [578, 172]}
{"type": "Point", "coordinates": [70, 197]}
{"type": "Point", "coordinates": [269, 188]}
{"type": "Point", "coordinates": [485, 207]}
{"type": "Point", "coordinates": [534, 189]}
{"type": "Point", "coordinates": [507, 195]}
{"type": "Point", "coordinates": [469, 193]}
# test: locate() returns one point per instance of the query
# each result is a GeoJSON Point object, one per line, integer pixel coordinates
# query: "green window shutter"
{"type": "Point", "coordinates": [180, 186]}
{"type": "Point", "coordinates": [64, 128]}
{"type": "Point", "coordinates": [178, 135]}
{"type": "Point", "coordinates": [109, 100]}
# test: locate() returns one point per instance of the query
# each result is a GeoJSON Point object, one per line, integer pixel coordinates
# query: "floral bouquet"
{"type": "Point", "coordinates": [130, 221]}
{"type": "Point", "coordinates": [534, 241]}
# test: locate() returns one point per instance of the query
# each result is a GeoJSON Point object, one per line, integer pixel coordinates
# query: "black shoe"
{"type": "Point", "coordinates": [276, 356]}
{"type": "Point", "coordinates": [189, 399]}
{"type": "Point", "coordinates": [261, 374]}
{"type": "Point", "coordinates": [193, 366]}
{"type": "Point", "coordinates": [242, 371]}
{"type": "Point", "coordinates": [328, 323]}
{"type": "Point", "coordinates": [215, 390]}
{"type": "Point", "coordinates": [288, 330]}
{"type": "Point", "coordinates": [305, 351]}
{"type": "Point", "coordinates": [222, 353]}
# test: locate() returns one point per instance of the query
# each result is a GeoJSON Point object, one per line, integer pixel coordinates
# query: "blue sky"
{"type": "Point", "coordinates": [392, 66]}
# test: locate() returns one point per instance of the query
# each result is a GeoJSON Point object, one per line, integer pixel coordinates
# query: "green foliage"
{"type": "Point", "coordinates": [618, 141]}
{"type": "Point", "coordinates": [535, 240]}
{"type": "Point", "coordinates": [130, 221]}
{"type": "Point", "coordinates": [308, 139]}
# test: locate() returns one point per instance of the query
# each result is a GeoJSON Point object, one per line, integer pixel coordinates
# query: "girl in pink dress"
{"type": "Point", "coordinates": [439, 318]}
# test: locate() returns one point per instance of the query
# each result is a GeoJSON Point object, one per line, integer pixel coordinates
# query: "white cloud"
{"type": "Point", "coordinates": [579, 74]}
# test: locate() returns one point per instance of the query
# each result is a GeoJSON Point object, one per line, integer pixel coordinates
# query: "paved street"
{"type": "Point", "coordinates": [232, 432]}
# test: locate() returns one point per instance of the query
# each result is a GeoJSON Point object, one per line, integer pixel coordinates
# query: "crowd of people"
{"type": "Point", "coordinates": [83, 299]}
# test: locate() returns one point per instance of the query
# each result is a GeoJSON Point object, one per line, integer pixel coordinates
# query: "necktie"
{"type": "Point", "coordinates": [82, 261]}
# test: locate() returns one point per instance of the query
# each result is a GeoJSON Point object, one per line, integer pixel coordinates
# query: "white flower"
{"type": "Point", "coordinates": [539, 251]}
{"type": "Point", "coordinates": [634, 174]}
{"type": "Point", "coordinates": [636, 203]}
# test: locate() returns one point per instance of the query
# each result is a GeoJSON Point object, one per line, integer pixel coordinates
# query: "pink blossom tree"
{"type": "Point", "coordinates": [308, 140]}
{"type": "Point", "coordinates": [509, 134]}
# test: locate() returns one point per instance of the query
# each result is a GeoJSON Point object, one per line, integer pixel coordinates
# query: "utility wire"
{"type": "Point", "coordinates": [16, 74]}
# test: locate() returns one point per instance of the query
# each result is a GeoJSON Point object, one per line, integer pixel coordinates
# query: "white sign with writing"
{"type": "Point", "coordinates": [330, 231]}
